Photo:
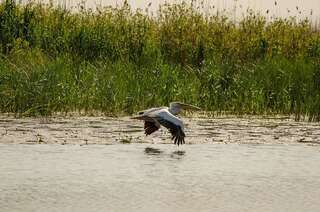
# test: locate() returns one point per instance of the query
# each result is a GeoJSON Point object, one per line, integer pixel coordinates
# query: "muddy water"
{"type": "Point", "coordinates": [101, 130]}
{"type": "Point", "coordinates": [232, 165]}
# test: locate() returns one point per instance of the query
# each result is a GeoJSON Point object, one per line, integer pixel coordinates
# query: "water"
{"type": "Point", "coordinates": [102, 130]}
{"type": "Point", "coordinates": [108, 164]}
{"type": "Point", "coordinates": [160, 177]}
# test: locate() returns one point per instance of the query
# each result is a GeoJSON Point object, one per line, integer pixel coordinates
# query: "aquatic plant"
{"type": "Point", "coordinates": [116, 60]}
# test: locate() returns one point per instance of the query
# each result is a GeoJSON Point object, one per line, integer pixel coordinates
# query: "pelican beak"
{"type": "Point", "coordinates": [190, 107]}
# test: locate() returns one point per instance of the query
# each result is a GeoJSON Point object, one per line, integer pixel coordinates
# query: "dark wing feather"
{"type": "Point", "coordinates": [150, 127]}
{"type": "Point", "coordinates": [176, 131]}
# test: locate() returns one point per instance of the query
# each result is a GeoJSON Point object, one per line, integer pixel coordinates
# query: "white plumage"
{"type": "Point", "coordinates": [155, 117]}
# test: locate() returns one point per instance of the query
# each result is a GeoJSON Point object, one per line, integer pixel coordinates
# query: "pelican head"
{"type": "Point", "coordinates": [176, 107]}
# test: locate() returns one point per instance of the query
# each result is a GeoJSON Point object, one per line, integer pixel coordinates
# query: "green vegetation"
{"type": "Point", "coordinates": [117, 60]}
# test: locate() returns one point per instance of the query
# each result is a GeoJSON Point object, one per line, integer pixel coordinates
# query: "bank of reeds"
{"type": "Point", "coordinates": [118, 60]}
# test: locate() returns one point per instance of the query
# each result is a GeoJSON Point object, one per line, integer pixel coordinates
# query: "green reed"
{"type": "Point", "coordinates": [116, 60]}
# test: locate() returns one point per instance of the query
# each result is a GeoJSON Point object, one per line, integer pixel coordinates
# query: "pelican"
{"type": "Point", "coordinates": [166, 116]}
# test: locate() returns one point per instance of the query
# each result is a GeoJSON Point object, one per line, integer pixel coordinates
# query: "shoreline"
{"type": "Point", "coordinates": [84, 130]}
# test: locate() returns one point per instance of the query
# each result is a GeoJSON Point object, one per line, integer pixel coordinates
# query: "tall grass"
{"type": "Point", "coordinates": [118, 60]}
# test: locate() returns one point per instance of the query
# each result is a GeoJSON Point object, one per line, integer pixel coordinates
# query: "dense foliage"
{"type": "Point", "coordinates": [118, 60]}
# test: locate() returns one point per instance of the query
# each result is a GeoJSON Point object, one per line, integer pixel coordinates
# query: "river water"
{"type": "Point", "coordinates": [228, 164]}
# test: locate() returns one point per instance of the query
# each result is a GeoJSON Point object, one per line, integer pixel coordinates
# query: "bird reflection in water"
{"type": "Point", "coordinates": [155, 151]}
{"type": "Point", "coordinates": [152, 151]}
{"type": "Point", "coordinates": [179, 154]}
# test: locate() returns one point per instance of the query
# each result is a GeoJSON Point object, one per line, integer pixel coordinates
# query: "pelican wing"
{"type": "Point", "coordinates": [150, 124]}
{"type": "Point", "coordinates": [150, 127]}
{"type": "Point", "coordinates": [172, 123]}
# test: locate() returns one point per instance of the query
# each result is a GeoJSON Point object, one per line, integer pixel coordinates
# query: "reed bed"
{"type": "Point", "coordinates": [117, 61]}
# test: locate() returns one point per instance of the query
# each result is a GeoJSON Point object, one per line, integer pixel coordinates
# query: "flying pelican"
{"type": "Point", "coordinates": [166, 116]}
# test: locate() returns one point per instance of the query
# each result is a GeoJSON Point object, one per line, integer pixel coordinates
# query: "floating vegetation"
{"type": "Point", "coordinates": [125, 140]}
{"type": "Point", "coordinates": [118, 61]}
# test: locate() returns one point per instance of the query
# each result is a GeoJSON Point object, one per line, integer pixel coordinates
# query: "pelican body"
{"type": "Point", "coordinates": [166, 116]}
